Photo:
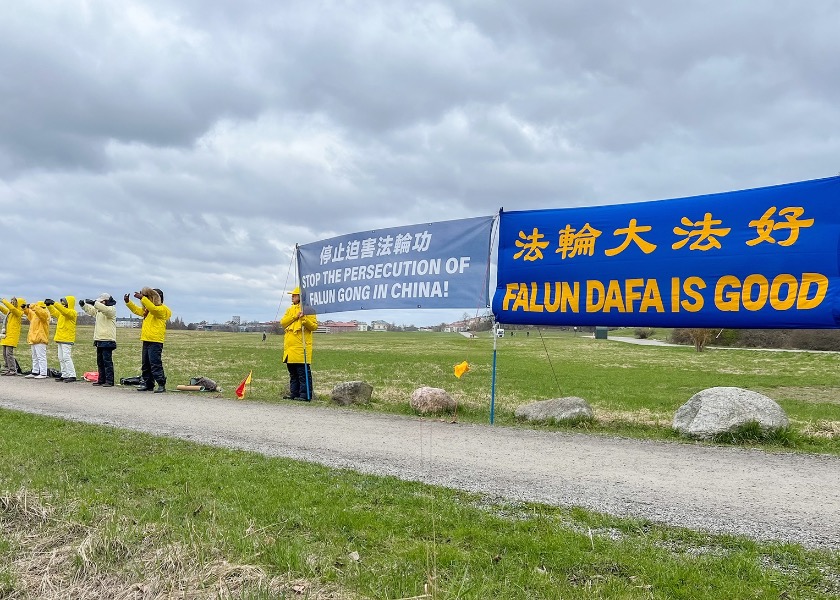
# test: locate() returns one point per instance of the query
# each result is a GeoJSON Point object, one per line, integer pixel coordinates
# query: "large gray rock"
{"type": "Point", "coordinates": [352, 392]}
{"type": "Point", "coordinates": [429, 400]}
{"type": "Point", "coordinates": [558, 409]}
{"type": "Point", "coordinates": [725, 409]}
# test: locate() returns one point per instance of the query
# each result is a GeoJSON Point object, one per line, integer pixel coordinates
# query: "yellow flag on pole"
{"type": "Point", "coordinates": [461, 368]}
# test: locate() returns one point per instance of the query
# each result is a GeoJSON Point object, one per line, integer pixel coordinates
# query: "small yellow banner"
{"type": "Point", "coordinates": [461, 368]}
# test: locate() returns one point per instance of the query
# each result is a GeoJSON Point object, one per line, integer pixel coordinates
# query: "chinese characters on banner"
{"type": "Point", "coordinates": [760, 258]}
{"type": "Point", "coordinates": [432, 265]}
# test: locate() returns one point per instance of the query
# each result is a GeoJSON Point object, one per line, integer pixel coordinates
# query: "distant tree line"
{"type": "Point", "coordinates": [788, 339]}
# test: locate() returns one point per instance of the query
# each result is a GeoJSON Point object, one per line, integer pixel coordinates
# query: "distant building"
{"type": "Point", "coordinates": [129, 322]}
{"type": "Point", "coordinates": [380, 325]}
{"type": "Point", "coordinates": [456, 327]}
{"type": "Point", "coordinates": [236, 319]}
{"type": "Point", "coordinates": [460, 326]}
{"type": "Point", "coordinates": [339, 327]}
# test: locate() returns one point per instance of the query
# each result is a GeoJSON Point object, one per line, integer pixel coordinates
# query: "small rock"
{"type": "Point", "coordinates": [352, 392]}
{"type": "Point", "coordinates": [571, 408]}
{"type": "Point", "coordinates": [429, 400]}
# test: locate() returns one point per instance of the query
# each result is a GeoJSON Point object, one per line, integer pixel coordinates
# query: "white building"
{"type": "Point", "coordinates": [380, 325]}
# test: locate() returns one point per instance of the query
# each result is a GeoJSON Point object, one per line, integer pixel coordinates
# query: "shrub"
{"type": "Point", "coordinates": [692, 337]}
{"type": "Point", "coordinates": [815, 339]}
{"type": "Point", "coordinates": [763, 338]}
{"type": "Point", "coordinates": [726, 337]}
{"type": "Point", "coordinates": [680, 335]}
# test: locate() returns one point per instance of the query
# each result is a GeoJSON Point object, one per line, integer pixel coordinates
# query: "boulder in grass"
{"type": "Point", "coordinates": [571, 408]}
{"type": "Point", "coordinates": [352, 392]}
{"type": "Point", "coordinates": [429, 400]}
{"type": "Point", "coordinates": [724, 410]}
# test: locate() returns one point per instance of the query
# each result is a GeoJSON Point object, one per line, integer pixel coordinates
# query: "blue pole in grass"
{"type": "Point", "coordinates": [493, 376]}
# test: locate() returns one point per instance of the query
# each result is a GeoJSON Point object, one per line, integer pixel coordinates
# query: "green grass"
{"type": "Point", "coordinates": [753, 433]}
{"type": "Point", "coordinates": [97, 508]}
{"type": "Point", "coordinates": [661, 334]}
{"type": "Point", "coordinates": [634, 390]}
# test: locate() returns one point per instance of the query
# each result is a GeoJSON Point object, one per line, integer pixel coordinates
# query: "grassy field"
{"type": "Point", "coordinates": [95, 512]}
{"type": "Point", "coordinates": [634, 390]}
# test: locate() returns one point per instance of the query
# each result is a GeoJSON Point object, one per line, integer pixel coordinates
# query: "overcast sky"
{"type": "Point", "coordinates": [190, 144]}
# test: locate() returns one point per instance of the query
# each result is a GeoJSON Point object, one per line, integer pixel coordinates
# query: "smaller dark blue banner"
{"type": "Point", "coordinates": [760, 258]}
{"type": "Point", "coordinates": [430, 265]}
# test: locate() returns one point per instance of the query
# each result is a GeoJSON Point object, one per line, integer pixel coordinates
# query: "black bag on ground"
{"type": "Point", "coordinates": [131, 380]}
{"type": "Point", "coordinates": [53, 373]}
{"type": "Point", "coordinates": [205, 382]}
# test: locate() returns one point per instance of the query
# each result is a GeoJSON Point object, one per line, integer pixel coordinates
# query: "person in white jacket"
{"type": "Point", "coordinates": [104, 309]}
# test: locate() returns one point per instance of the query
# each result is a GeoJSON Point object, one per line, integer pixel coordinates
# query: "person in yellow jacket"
{"type": "Point", "coordinates": [297, 348]}
{"type": "Point", "coordinates": [5, 312]}
{"type": "Point", "coordinates": [38, 337]}
{"type": "Point", "coordinates": [65, 335]}
{"type": "Point", "coordinates": [10, 332]}
{"type": "Point", "coordinates": [152, 333]}
{"type": "Point", "coordinates": [104, 310]}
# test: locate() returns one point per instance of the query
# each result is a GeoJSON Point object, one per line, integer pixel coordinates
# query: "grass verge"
{"type": "Point", "coordinates": [92, 511]}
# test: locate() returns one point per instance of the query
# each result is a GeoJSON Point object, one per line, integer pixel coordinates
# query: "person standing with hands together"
{"type": "Point", "coordinates": [297, 348]}
{"type": "Point", "coordinates": [155, 314]}
{"type": "Point", "coordinates": [11, 332]}
{"type": "Point", "coordinates": [65, 335]}
{"type": "Point", "coordinates": [104, 310]}
{"type": "Point", "coordinates": [38, 337]}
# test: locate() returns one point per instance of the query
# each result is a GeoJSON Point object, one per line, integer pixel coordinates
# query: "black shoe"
{"type": "Point", "coordinates": [143, 388]}
{"type": "Point", "coordinates": [161, 388]}
{"type": "Point", "coordinates": [59, 378]}
{"type": "Point", "coordinates": [108, 384]}
{"type": "Point", "coordinates": [303, 399]}
{"type": "Point", "coordinates": [69, 379]}
{"type": "Point", "coordinates": [97, 383]}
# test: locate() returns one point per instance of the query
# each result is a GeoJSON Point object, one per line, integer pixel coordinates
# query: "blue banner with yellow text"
{"type": "Point", "coordinates": [431, 265]}
{"type": "Point", "coordinates": [760, 258]}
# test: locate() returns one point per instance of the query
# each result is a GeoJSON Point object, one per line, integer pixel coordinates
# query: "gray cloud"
{"type": "Point", "coordinates": [190, 145]}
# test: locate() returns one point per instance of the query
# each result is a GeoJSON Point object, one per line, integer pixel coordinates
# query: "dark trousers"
{"type": "Point", "coordinates": [300, 376]}
{"type": "Point", "coordinates": [105, 361]}
{"type": "Point", "coordinates": [152, 369]}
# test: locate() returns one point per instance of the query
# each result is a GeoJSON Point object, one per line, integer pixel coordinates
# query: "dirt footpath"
{"type": "Point", "coordinates": [766, 496]}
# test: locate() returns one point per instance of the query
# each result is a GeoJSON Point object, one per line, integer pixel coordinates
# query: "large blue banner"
{"type": "Point", "coordinates": [431, 265]}
{"type": "Point", "coordinates": [760, 258]}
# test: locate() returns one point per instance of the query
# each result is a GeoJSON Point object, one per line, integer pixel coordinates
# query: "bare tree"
{"type": "Point", "coordinates": [700, 337]}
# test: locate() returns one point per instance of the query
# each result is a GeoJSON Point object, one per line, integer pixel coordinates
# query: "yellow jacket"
{"type": "Point", "coordinates": [154, 316]}
{"type": "Point", "coordinates": [39, 324]}
{"type": "Point", "coordinates": [65, 330]}
{"type": "Point", "coordinates": [296, 330]}
{"type": "Point", "coordinates": [14, 313]}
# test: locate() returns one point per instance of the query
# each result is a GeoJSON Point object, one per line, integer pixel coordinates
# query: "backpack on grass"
{"type": "Point", "coordinates": [207, 384]}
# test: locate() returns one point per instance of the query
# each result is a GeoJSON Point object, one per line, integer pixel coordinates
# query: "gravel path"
{"type": "Point", "coordinates": [787, 497]}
